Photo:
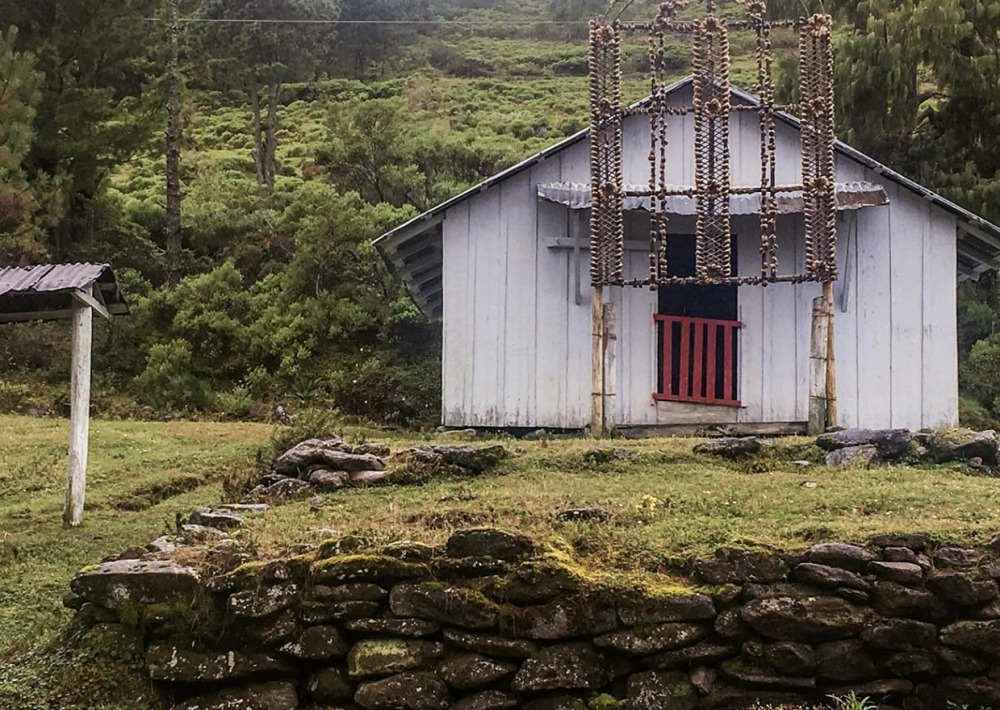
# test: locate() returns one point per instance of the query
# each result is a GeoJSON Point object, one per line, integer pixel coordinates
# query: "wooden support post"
{"type": "Point", "coordinates": [831, 360]}
{"type": "Point", "coordinates": [79, 425]}
{"type": "Point", "coordinates": [817, 366]}
{"type": "Point", "coordinates": [597, 369]}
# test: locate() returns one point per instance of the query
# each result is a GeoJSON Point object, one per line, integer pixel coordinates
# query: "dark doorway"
{"type": "Point", "coordinates": [697, 330]}
{"type": "Point", "coordinates": [691, 300]}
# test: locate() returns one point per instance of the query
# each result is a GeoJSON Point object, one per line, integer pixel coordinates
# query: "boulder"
{"type": "Point", "coordinates": [565, 619]}
{"type": "Point", "coordinates": [262, 603]}
{"type": "Point", "coordinates": [962, 445]}
{"type": "Point", "coordinates": [369, 479]}
{"type": "Point", "coordinates": [219, 519]}
{"type": "Point", "coordinates": [916, 542]}
{"type": "Point", "coordinates": [363, 568]}
{"type": "Point", "coordinates": [406, 691]}
{"type": "Point", "coordinates": [895, 600]}
{"type": "Point", "coordinates": [706, 652]}
{"type": "Point", "coordinates": [661, 690]}
{"type": "Point", "coordinates": [830, 577]}
{"type": "Point", "coordinates": [332, 453]}
{"type": "Point", "coordinates": [260, 696]}
{"type": "Point", "coordinates": [410, 628]}
{"type": "Point", "coordinates": [325, 480]}
{"type": "Point", "coordinates": [321, 612]}
{"type": "Point", "coordinates": [740, 566]}
{"type": "Point", "coordinates": [891, 444]}
{"type": "Point", "coordinates": [960, 588]}
{"type": "Point", "coordinates": [433, 601]}
{"type": "Point", "coordinates": [752, 674]}
{"type": "Point", "coordinates": [329, 685]}
{"type": "Point", "coordinates": [877, 690]}
{"type": "Point", "coordinates": [899, 554]}
{"type": "Point", "coordinates": [557, 701]}
{"type": "Point", "coordinates": [791, 658]}
{"type": "Point", "coordinates": [168, 662]}
{"type": "Point", "coordinates": [375, 657]}
{"type": "Point", "coordinates": [487, 700]}
{"type": "Point", "coordinates": [732, 448]}
{"type": "Point", "coordinates": [837, 554]}
{"type": "Point", "coordinates": [567, 666]}
{"type": "Point", "coordinates": [853, 457]}
{"type": "Point", "coordinates": [285, 489]}
{"type": "Point", "coordinates": [130, 582]}
{"type": "Point", "coordinates": [488, 542]}
{"type": "Point", "coordinates": [652, 639]}
{"type": "Point", "coordinates": [354, 592]}
{"type": "Point", "coordinates": [490, 645]}
{"type": "Point", "coordinates": [729, 625]}
{"type": "Point", "coordinates": [533, 583]}
{"type": "Point", "coordinates": [682, 607]}
{"type": "Point", "coordinates": [317, 643]}
{"type": "Point", "coordinates": [471, 670]}
{"type": "Point", "coordinates": [805, 620]}
{"type": "Point", "coordinates": [905, 573]}
{"type": "Point", "coordinates": [900, 634]}
{"type": "Point", "coordinates": [956, 557]}
{"type": "Point", "coordinates": [973, 636]}
{"type": "Point", "coordinates": [961, 663]}
{"type": "Point", "coordinates": [909, 663]}
{"type": "Point", "coordinates": [846, 661]}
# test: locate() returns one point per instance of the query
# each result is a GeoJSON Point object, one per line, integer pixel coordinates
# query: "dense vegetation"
{"type": "Point", "coordinates": [301, 142]}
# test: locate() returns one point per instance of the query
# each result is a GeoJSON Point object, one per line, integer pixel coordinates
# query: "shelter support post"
{"type": "Point", "coordinates": [76, 472]}
{"type": "Point", "coordinates": [819, 342]}
{"type": "Point", "coordinates": [602, 369]}
{"type": "Point", "coordinates": [831, 360]}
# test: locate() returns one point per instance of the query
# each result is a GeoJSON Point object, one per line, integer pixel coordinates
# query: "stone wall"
{"type": "Point", "coordinates": [491, 621]}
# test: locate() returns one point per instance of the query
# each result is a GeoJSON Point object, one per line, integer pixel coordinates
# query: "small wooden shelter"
{"type": "Point", "coordinates": [504, 266]}
{"type": "Point", "coordinates": [66, 292]}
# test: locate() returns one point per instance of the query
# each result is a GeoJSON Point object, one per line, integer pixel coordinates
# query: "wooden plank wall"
{"type": "Point", "coordinates": [517, 345]}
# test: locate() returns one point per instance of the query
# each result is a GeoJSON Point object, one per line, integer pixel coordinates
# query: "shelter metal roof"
{"type": "Point", "coordinates": [46, 292]}
{"type": "Point", "coordinates": [978, 240]}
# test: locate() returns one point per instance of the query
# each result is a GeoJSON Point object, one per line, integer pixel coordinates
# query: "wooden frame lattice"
{"type": "Point", "coordinates": [711, 109]}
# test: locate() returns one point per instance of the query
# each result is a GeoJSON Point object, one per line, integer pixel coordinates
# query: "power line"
{"type": "Point", "coordinates": [463, 23]}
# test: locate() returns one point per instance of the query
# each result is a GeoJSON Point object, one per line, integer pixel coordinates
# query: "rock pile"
{"type": "Point", "coordinates": [851, 448]}
{"type": "Point", "coordinates": [329, 464]}
{"type": "Point", "coordinates": [489, 621]}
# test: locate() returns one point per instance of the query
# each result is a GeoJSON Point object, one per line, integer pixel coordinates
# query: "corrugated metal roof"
{"type": "Point", "coordinates": [44, 292]}
{"type": "Point", "coordinates": [50, 277]}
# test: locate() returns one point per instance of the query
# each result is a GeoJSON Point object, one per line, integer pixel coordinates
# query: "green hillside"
{"type": "Point", "coordinates": [282, 297]}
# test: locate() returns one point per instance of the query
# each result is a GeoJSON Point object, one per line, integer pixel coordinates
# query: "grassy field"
{"type": "Point", "coordinates": [669, 507]}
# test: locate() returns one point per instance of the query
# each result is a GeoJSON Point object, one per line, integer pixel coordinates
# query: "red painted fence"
{"type": "Point", "coordinates": [698, 360]}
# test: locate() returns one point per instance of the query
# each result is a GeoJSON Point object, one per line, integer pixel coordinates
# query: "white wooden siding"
{"type": "Point", "coordinates": [517, 343]}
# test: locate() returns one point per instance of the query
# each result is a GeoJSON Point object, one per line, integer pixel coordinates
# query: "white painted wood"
{"type": "Point", "coordinates": [940, 328]}
{"type": "Point", "coordinates": [552, 301]}
{"type": "Point", "coordinates": [458, 325]}
{"type": "Point", "coordinates": [489, 305]}
{"type": "Point", "coordinates": [90, 300]}
{"type": "Point", "coordinates": [517, 341]}
{"type": "Point", "coordinates": [910, 214]}
{"type": "Point", "coordinates": [79, 425]}
{"type": "Point", "coordinates": [575, 167]}
{"type": "Point", "coordinates": [874, 314]}
{"type": "Point", "coordinates": [517, 228]}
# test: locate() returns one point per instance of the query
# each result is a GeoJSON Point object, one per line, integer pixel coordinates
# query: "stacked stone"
{"type": "Point", "coordinates": [489, 621]}
{"type": "Point", "coordinates": [324, 465]}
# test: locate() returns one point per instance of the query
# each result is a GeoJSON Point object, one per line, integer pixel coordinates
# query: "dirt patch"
{"type": "Point", "coordinates": [148, 496]}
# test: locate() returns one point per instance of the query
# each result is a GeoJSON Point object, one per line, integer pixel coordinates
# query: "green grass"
{"type": "Point", "coordinates": [132, 465]}
{"type": "Point", "coordinates": [670, 506]}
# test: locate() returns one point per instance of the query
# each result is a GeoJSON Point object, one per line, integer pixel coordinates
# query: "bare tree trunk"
{"type": "Point", "coordinates": [173, 226]}
{"type": "Point", "coordinates": [258, 138]}
{"type": "Point", "coordinates": [271, 137]}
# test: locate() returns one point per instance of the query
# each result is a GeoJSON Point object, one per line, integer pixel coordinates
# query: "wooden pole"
{"type": "Point", "coordinates": [79, 424]}
{"type": "Point", "coordinates": [831, 360]}
{"type": "Point", "coordinates": [597, 415]}
{"type": "Point", "coordinates": [817, 365]}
